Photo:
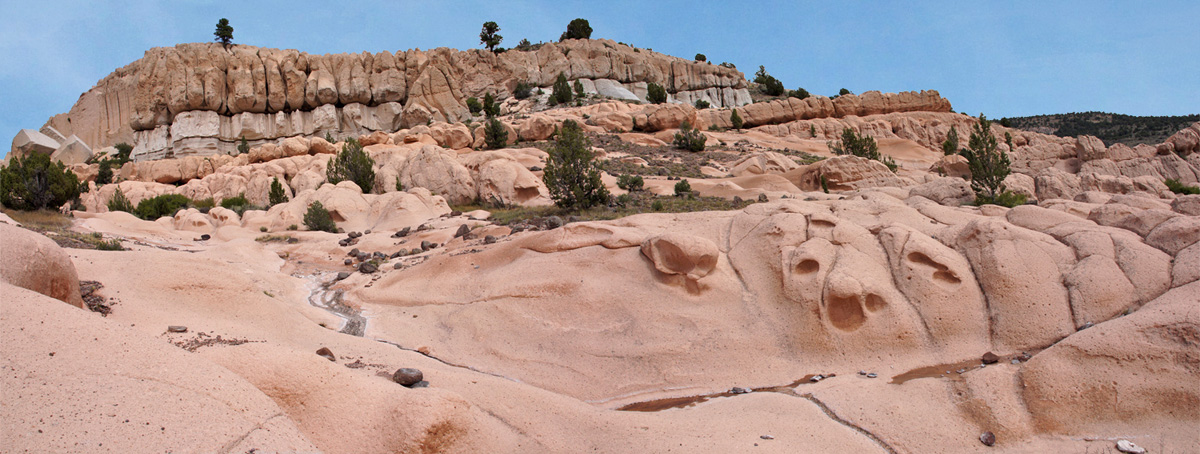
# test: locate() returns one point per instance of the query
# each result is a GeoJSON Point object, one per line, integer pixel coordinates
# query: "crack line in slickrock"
{"type": "Point", "coordinates": [829, 412]}
{"type": "Point", "coordinates": [668, 403]}
{"type": "Point", "coordinates": [448, 363]}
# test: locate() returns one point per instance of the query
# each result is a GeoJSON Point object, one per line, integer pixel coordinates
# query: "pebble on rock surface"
{"type": "Point", "coordinates": [987, 438]}
{"type": "Point", "coordinates": [324, 352]}
{"type": "Point", "coordinates": [766, 437]}
{"type": "Point", "coordinates": [990, 358]}
{"type": "Point", "coordinates": [1129, 447]}
{"type": "Point", "coordinates": [408, 376]}
{"type": "Point", "coordinates": [177, 329]}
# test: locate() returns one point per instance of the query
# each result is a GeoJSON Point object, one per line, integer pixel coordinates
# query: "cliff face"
{"type": "Point", "coordinates": [269, 93]}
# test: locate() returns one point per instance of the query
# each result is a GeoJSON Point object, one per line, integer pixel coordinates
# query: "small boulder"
{"type": "Point", "coordinates": [990, 358]}
{"type": "Point", "coordinates": [987, 438]}
{"type": "Point", "coordinates": [176, 329]}
{"type": "Point", "coordinates": [324, 352]}
{"type": "Point", "coordinates": [367, 268]}
{"type": "Point", "coordinates": [490, 239]}
{"type": "Point", "coordinates": [407, 376]}
{"type": "Point", "coordinates": [1128, 447]}
{"type": "Point", "coordinates": [463, 230]}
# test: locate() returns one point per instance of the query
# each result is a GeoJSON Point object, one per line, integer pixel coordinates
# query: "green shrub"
{"type": "Point", "coordinates": [352, 164]}
{"type": "Point", "coordinates": [950, 146]}
{"type": "Point", "coordinates": [735, 119]}
{"type": "Point", "coordinates": [105, 174]}
{"type": "Point", "coordinates": [1005, 199]}
{"type": "Point", "coordinates": [495, 136]}
{"type": "Point", "coordinates": [123, 152]}
{"type": "Point", "coordinates": [34, 182]}
{"type": "Point", "coordinates": [578, 86]}
{"type": "Point", "coordinates": [656, 94]}
{"type": "Point", "coordinates": [203, 204]}
{"type": "Point", "coordinates": [399, 184]}
{"type": "Point", "coordinates": [488, 36]}
{"type": "Point", "coordinates": [293, 227]}
{"type": "Point", "coordinates": [863, 146]}
{"type": "Point", "coordinates": [571, 174]}
{"type": "Point", "coordinates": [631, 183]}
{"type": "Point", "coordinates": [689, 138]}
{"type": "Point", "coordinates": [799, 93]}
{"type": "Point", "coordinates": [701, 57]}
{"type": "Point", "coordinates": [233, 203]}
{"type": "Point", "coordinates": [562, 90]}
{"type": "Point", "coordinates": [702, 104]}
{"type": "Point", "coordinates": [119, 202]}
{"type": "Point", "coordinates": [683, 188]}
{"type": "Point", "coordinates": [812, 130]}
{"type": "Point", "coordinates": [110, 245]}
{"type": "Point", "coordinates": [657, 205]}
{"type": "Point", "coordinates": [524, 45]}
{"type": "Point", "coordinates": [262, 229]}
{"type": "Point", "coordinates": [491, 108]}
{"type": "Point", "coordinates": [276, 195]}
{"type": "Point", "coordinates": [844, 92]}
{"type": "Point", "coordinates": [474, 106]}
{"type": "Point", "coordinates": [987, 162]}
{"type": "Point", "coordinates": [318, 218]}
{"type": "Point", "coordinates": [773, 87]}
{"type": "Point", "coordinates": [159, 206]}
{"type": "Point", "coordinates": [523, 90]}
{"type": "Point", "coordinates": [1179, 188]}
{"type": "Point", "coordinates": [243, 146]}
{"type": "Point", "coordinates": [577, 29]}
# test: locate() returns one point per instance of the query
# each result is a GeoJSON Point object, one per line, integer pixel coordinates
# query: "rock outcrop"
{"type": "Point", "coordinates": [223, 95]}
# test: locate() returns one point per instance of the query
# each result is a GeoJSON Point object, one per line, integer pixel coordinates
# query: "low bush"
{"type": "Point", "coordinates": [1005, 199]}
{"type": "Point", "coordinates": [689, 138]}
{"type": "Point", "coordinates": [159, 206]}
{"type": "Point", "coordinates": [351, 164]}
{"type": "Point", "coordinates": [233, 203]}
{"type": "Point", "coordinates": [495, 136]}
{"type": "Point", "coordinates": [474, 106]}
{"type": "Point", "coordinates": [277, 194]}
{"type": "Point", "coordinates": [1179, 188]}
{"type": "Point", "coordinates": [656, 94]}
{"type": "Point", "coordinates": [631, 183]}
{"type": "Point", "coordinates": [562, 90]}
{"type": "Point", "coordinates": [799, 93]}
{"type": "Point", "coordinates": [736, 120]}
{"type": "Point", "coordinates": [702, 104]}
{"type": "Point", "coordinates": [683, 188]}
{"type": "Point", "coordinates": [701, 57]}
{"type": "Point", "coordinates": [34, 182]}
{"type": "Point", "coordinates": [523, 90]}
{"type": "Point", "coordinates": [119, 202]}
{"type": "Point", "coordinates": [318, 218]}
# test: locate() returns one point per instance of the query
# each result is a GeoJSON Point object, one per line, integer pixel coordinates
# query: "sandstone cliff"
{"type": "Point", "coordinates": [271, 93]}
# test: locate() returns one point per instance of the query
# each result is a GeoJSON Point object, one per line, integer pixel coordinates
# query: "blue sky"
{"type": "Point", "coordinates": [1010, 58]}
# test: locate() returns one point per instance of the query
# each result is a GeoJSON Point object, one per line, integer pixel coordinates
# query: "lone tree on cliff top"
{"type": "Point", "coordinates": [488, 36]}
{"type": "Point", "coordinates": [224, 33]}
{"type": "Point", "coordinates": [577, 29]}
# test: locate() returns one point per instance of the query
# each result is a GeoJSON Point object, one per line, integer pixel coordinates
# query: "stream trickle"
{"type": "Point", "coordinates": [320, 295]}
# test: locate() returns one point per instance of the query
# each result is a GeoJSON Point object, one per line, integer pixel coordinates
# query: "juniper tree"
{"type": "Point", "coordinates": [352, 164]}
{"type": "Point", "coordinates": [224, 33]}
{"type": "Point", "coordinates": [571, 174]}
{"type": "Point", "coordinates": [488, 36]}
{"type": "Point", "coordinates": [988, 163]}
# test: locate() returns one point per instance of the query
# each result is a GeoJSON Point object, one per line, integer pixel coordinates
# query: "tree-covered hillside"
{"type": "Point", "coordinates": [1109, 127]}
